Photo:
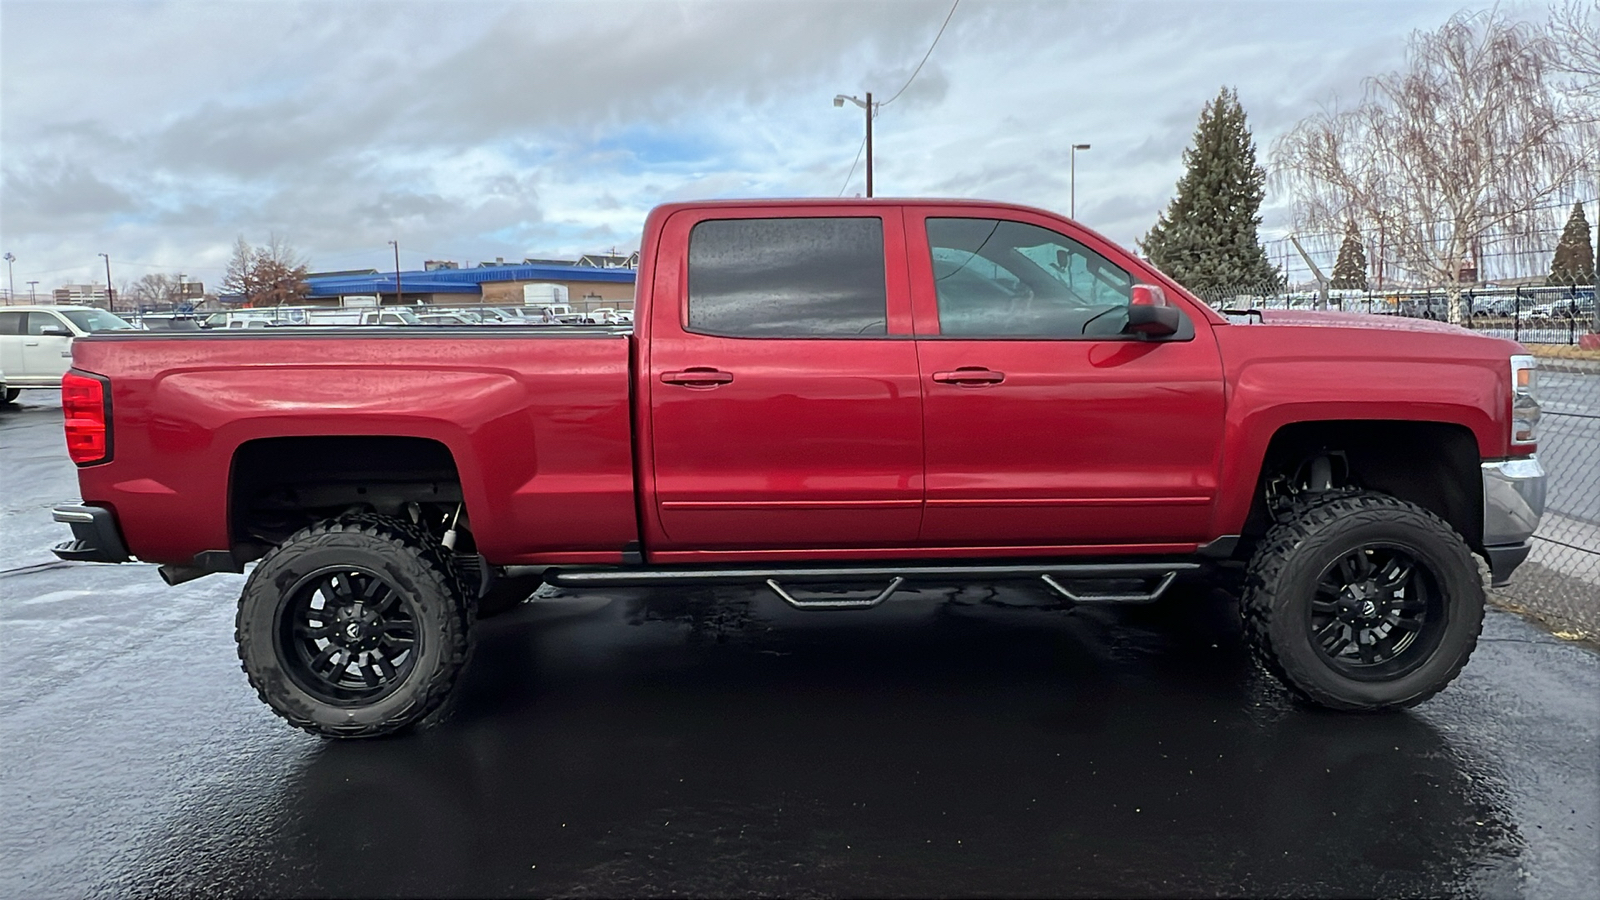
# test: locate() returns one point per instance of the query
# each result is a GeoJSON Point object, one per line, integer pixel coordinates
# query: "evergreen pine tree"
{"type": "Point", "coordinates": [1207, 239]}
{"type": "Point", "coordinates": [1350, 269]}
{"type": "Point", "coordinates": [1574, 259]}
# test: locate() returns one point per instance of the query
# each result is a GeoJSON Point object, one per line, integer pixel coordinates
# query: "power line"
{"type": "Point", "coordinates": [924, 56]}
{"type": "Point", "coordinates": [853, 168]}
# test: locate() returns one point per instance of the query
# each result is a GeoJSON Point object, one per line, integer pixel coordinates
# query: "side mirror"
{"type": "Point", "coordinates": [54, 331]}
{"type": "Point", "coordinates": [1148, 313]}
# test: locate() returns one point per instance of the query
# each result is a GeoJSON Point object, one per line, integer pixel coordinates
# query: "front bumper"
{"type": "Point", "coordinates": [1513, 501]}
{"type": "Point", "coordinates": [95, 537]}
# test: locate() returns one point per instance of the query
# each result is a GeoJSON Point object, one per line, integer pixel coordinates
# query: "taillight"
{"type": "Point", "coordinates": [86, 401]}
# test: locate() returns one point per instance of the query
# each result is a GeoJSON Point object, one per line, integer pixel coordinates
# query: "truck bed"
{"type": "Point", "coordinates": [535, 419]}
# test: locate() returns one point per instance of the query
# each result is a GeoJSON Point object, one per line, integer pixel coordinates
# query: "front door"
{"type": "Point", "coordinates": [785, 412]}
{"type": "Point", "coordinates": [1045, 425]}
{"type": "Point", "coordinates": [46, 357]}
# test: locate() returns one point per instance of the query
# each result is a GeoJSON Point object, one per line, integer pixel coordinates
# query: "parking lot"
{"type": "Point", "coordinates": [714, 742]}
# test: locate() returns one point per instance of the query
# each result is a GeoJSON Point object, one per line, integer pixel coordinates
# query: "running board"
{"type": "Point", "coordinates": [1056, 577]}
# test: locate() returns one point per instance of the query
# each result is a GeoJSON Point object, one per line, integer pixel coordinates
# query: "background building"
{"type": "Point", "coordinates": [490, 284]}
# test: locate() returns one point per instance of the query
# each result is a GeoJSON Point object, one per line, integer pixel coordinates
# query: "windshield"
{"type": "Point", "coordinates": [93, 320]}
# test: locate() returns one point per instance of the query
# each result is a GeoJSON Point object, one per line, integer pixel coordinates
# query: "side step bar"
{"type": "Point", "coordinates": [1055, 576]}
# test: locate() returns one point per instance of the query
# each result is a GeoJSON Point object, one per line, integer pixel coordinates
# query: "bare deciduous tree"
{"type": "Point", "coordinates": [269, 275]}
{"type": "Point", "coordinates": [155, 289]}
{"type": "Point", "coordinates": [1575, 34]}
{"type": "Point", "coordinates": [1471, 141]}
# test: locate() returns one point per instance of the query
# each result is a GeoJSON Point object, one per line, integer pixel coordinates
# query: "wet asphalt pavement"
{"type": "Point", "coordinates": [708, 742]}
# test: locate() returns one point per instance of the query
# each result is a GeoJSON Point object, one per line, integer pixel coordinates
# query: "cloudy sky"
{"type": "Point", "coordinates": [159, 132]}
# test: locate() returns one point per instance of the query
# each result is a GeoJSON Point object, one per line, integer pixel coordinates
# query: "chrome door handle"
{"type": "Point", "coordinates": [697, 376]}
{"type": "Point", "coordinates": [30, 343]}
{"type": "Point", "coordinates": [970, 375]}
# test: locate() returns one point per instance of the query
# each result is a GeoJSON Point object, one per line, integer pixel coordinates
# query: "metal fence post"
{"type": "Point", "coordinates": [1516, 315]}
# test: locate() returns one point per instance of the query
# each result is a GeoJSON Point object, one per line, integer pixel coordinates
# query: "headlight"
{"type": "Point", "coordinates": [1524, 402]}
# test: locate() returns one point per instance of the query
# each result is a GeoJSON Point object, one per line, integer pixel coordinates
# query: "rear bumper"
{"type": "Point", "coordinates": [1513, 501]}
{"type": "Point", "coordinates": [95, 536]}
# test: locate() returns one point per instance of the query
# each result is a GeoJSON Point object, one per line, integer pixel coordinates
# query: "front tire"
{"type": "Point", "coordinates": [352, 628]}
{"type": "Point", "coordinates": [1363, 602]}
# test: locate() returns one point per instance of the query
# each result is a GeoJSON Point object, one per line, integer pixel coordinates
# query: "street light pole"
{"type": "Point", "coordinates": [111, 295]}
{"type": "Point", "coordinates": [869, 143]}
{"type": "Point", "coordinates": [11, 294]}
{"type": "Point", "coordinates": [1072, 212]}
{"type": "Point", "coordinates": [399, 295]}
{"type": "Point", "coordinates": [838, 100]}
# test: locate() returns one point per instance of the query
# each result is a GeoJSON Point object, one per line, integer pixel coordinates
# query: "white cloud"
{"type": "Point", "coordinates": [157, 132]}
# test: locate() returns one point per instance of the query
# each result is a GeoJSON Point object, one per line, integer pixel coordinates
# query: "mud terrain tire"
{"type": "Point", "coordinates": [1339, 585]}
{"type": "Point", "coordinates": [353, 628]}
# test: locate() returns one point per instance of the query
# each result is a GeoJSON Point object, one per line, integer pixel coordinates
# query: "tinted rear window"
{"type": "Point", "coordinates": [787, 278]}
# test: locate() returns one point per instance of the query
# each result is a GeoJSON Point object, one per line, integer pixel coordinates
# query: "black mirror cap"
{"type": "Point", "coordinates": [1152, 321]}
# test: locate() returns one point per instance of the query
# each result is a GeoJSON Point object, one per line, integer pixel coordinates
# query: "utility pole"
{"type": "Point", "coordinates": [30, 291]}
{"type": "Point", "coordinates": [1594, 314]}
{"type": "Point", "coordinates": [111, 295]}
{"type": "Point", "coordinates": [399, 294]}
{"type": "Point", "coordinates": [869, 143]}
{"type": "Point", "coordinates": [11, 295]}
{"type": "Point", "coordinates": [838, 100]}
{"type": "Point", "coordinates": [1072, 210]}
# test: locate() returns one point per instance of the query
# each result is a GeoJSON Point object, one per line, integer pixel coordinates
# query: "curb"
{"type": "Point", "coordinates": [1572, 366]}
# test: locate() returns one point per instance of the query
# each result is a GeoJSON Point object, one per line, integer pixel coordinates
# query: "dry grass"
{"type": "Point", "coordinates": [1562, 351]}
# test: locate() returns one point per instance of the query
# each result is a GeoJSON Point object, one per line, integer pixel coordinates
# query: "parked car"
{"type": "Point", "coordinates": [36, 341]}
{"type": "Point", "coordinates": [238, 319]}
{"type": "Point", "coordinates": [444, 318]}
{"type": "Point", "coordinates": [169, 323]}
{"type": "Point", "coordinates": [812, 394]}
{"type": "Point", "coordinates": [389, 315]}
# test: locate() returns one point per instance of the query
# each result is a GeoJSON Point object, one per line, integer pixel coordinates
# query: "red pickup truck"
{"type": "Point", "coordinates": [821, 393]}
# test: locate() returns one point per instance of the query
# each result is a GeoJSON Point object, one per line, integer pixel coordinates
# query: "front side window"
{"type": "Point", "coordinates": [93, 320]}
{"type": "Point", "coordinates": [818, 277]}
{"type": "Point", "coordinates": [998, 278]}
{"type": "Point", "coordinates": [39, 321]}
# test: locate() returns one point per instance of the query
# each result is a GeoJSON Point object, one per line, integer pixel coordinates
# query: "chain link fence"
{"type": "Point", "coordinates": [1531, 315]}
{"type": "Point", "coordinates": [1560, 582]}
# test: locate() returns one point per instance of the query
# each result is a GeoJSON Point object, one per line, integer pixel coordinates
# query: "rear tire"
{"type": "Point", "coordinates": [10, 395]}
{"type": "Point", "coordinates": [351, 628]}
{"type": "Point", "coordinates": [1363, 602]}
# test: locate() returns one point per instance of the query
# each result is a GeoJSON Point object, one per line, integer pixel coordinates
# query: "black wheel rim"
{"type": "Point", "coordinates": [1377, 613]}
{"type": "Point", "coordinates": [347, 635]}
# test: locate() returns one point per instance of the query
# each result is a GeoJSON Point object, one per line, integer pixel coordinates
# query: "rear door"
{"type": "Point", "coordinates": [1045, 426]}
{"type": "Point", "coordinates": [11, 331]}
{"type": "Point", "coordinates": [784, 406]}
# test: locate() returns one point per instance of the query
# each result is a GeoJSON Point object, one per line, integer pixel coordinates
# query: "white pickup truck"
{"type": "Point", "coordinates": [36, 342]}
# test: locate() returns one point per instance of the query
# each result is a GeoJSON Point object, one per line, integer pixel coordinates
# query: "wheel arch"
{"type": "Point", "coordinates": [279, 484]}
{"type": "Point", "coordinates": [1433, 464]}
